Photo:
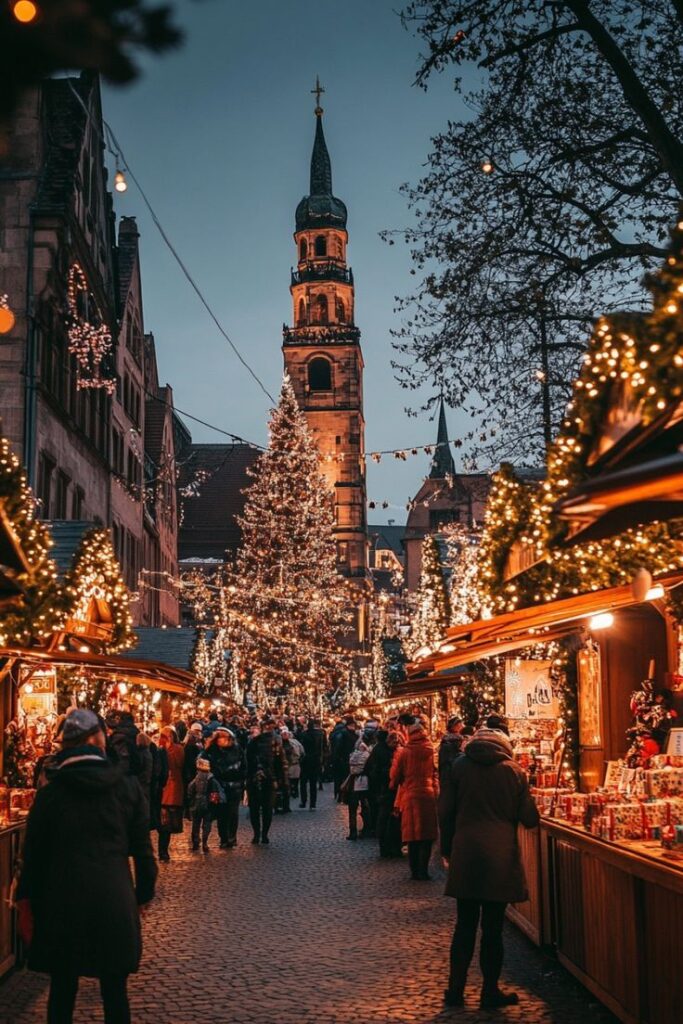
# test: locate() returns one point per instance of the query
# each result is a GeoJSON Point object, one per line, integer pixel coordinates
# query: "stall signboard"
{"type": "Point", "coordinates": [590, 718]}
{"type": "Point", "coordinates": [529, 691]}
{"type": "Point", "coordinates": [38, 692]}
{"type": "Point", "coordinates": [675, 742]}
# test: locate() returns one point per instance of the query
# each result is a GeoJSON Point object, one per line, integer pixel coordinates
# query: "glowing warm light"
{"type": "Point", "coordinates": [655, 592]}
{"type": "Point", "coordinates": [24, 11]}
{"type": "Point", "coordinates": [120, 183]}
{"type": "Point", "coordinates": [603, 620]}
{"type": "Point", "coordinates": [156, 697]}
{"type": "Point", "coordinates": [671, 307]}
{"type": "Point", "coordinates": [7, 318]}
{"type": "Point", "coordinates": [486, 166]}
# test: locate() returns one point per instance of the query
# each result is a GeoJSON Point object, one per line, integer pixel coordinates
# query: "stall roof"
{"type": "Point", "coordinates": [171, 646]}
{"type": "Point", "coordinates": [148, 673]}
{"type": "Point", "coordinates": [514, 630]}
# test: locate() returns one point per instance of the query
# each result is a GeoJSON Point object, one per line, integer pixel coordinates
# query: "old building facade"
{"type": "Point", "coordinates": [74, 382]}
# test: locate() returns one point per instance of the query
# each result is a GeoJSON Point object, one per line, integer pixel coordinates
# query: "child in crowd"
{"type": "Point", "coordinates": [203, 794]}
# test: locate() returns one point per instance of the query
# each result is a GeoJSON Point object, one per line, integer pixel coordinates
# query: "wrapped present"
{"type": "Point", "coordinates": [666, 761]}
{"type": "Point", "coordinates": [661, 782]}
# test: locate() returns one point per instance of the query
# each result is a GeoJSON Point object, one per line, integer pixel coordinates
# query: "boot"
{"type": "Point", "coordinates": [256, 839]}
{"type": "Point", "coordinates": [495, 999]}
{"type": "Point", "coordinates": [454, 997]}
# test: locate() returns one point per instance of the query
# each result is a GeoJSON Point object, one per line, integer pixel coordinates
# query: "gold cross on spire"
{"type": "Point", "coordinates": [317, 92]}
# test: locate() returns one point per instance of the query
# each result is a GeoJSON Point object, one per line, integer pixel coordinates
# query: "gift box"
{"type": "Point", "coordinates": [666, 761]}
{"type": "Point", "coordinates": [661, 782]}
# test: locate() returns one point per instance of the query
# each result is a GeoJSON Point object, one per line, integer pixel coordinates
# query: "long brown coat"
{"type": "Point", "coordinates": [484, 798]}
{"type": "Point", "coordinates": [174, 791]}
{"type": "Point", "coordinates": [414, 771]}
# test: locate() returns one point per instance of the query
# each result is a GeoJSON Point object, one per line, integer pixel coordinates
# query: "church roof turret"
{"type": "Point", "coordinates": [443, 464]}
{"type": "Point", "coordinates": [320, 209]}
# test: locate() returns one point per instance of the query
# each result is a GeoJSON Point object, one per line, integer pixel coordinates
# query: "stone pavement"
{"type": "Point", "coordinates": [309, 930]}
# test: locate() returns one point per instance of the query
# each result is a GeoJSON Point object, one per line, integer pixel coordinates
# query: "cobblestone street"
{"type": "Point", "coordinates": [310, 929]}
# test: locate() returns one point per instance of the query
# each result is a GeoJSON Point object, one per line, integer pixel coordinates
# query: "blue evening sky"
{"type": "Point", "coordinates": [219, 134]}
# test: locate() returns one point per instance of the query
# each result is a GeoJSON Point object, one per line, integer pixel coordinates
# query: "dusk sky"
{"type": "Point", "coordinates": [219, 133]}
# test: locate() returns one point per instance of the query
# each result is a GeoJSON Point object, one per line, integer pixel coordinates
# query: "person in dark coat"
{"type": "Point", "coordinates": [194, 744]}
{"type": "Point", "coordinates": [378, 769]}
{"type": "Point", "coordinates": [343, 746]}
{"type": "Point", "coordinates": [122, 741]}
{"type": "Point", "coordinates": [78, 907]}
{"type": "Point", "coordinates": [451, 745]}
{"type": "Point", "coordinates": [484, 798]}
{"type": "Point", "coordinates": [157, 783]}
{"type": "Point", "coordinates": [229, 769]}
{"type": "Point", "coordinates": [313, 741]}
{"type": "Point", "coordinates": [146, 767]}
{"type": "Point", "coordinates": [265, 772]}
{"type": "Point", "coordinates": [173, 793]}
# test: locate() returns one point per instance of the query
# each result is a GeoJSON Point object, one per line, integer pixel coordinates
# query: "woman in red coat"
{"type": "Point", "coordinates": [173, 794]}
{"type": "Point", "coordinates": [414, 771]}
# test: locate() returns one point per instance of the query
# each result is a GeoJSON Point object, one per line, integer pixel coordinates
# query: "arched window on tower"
{"type": "Point", "coordinates": [303, 249]}
{"type": "Point", "coordinates": [341, 312]}
{"type": "Point", "coordinates": [301, 315]}
{"type": "Point", "coordinates": [320, 374]}
{"type": "Point", "coordinates": [321, 246]}
{"type": "Point", "coordinates": [320, 310]}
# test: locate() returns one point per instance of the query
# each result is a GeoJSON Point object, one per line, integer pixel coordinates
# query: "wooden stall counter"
{"type": "Point", "coordinates": [616, 914]}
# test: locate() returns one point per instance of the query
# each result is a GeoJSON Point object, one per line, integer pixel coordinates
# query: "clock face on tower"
{"type": "Point", "coordinates": [322, 352]}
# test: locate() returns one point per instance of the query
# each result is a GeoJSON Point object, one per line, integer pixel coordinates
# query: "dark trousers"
{"type": "Point", "coordinates": [309, 784]}
{"type": "Point", "coordinates": [339, 774]}
{"type": "Point", "coordinates": [164, 843]}
{"type": "Point", "coordinates": [261, 796]}
{"type": "Point", "coordinates": [419, 853]}
{"type": "Point", "coordinates": [201, 820]}
{"type": "Point", "coordinates": [62, 999]}
{"type": "Point", "coordinates": [357, 800]}
{"type": "Point", "coordinates": [228, 819]}
{"type": "Point", "coordinates": [464, 937]}
{"type": "Point", "coordinates": [294, 787]}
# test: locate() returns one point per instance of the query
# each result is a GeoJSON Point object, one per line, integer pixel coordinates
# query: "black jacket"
{"type": "Point", "coordinates": [228, 767]}
{"type": "Point", "coordinates": [192, 752]}
{"type": "Point", "coordinates": [314, 743]}
{"type": "Point", "coordinates": [344, 747]}
{"type": "Point", "coordinates": [378, 767]}
{"type": "Point", "coordinates": [449, 748]}
{"type": "Point", "coordinates": [83, 826]}
{"type": "Point", "coordinates": [265, 759]}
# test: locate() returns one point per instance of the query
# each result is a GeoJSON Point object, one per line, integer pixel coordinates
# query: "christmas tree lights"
{"type": "Point", "coordinates": [432, 608]}
{"type": "Point", "coordinates": [95, 576]}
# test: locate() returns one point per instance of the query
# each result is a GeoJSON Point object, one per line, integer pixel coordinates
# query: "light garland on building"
{"type": "Point", "coordinates": [89, 342]}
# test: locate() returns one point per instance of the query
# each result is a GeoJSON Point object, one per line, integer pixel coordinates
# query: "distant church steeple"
{"type": "Point", "coordinates": [443, 464]}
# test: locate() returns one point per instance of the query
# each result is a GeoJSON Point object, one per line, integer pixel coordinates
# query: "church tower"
{"type": "Point", "coordinates": [323, 355]}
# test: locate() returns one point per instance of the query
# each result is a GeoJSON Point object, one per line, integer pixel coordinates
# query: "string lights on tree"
{"type": "Point", "coordinates": [95, 582]}
{"type": "Point", "coordinates": [432, 606]}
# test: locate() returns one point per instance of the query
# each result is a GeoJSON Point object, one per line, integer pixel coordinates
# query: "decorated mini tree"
{"type": "Point", "coordinates": [95, 581]}
{"type": "Point", "coordinates": [288, 605]}
{"type": "Point", "coordinates": [432, 613]}
{"type": "Point", "coordinates": [42, 609]}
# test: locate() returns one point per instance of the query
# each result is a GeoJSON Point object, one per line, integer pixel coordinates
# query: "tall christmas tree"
{"type": "Point", "coordinates": [432, 613]}
{"type": "Point", "coordinates": [462, 561]}
{"type": "Point", "coordinates": [42, 609]}
{"type": "Point", "coordinates": [289, 605]}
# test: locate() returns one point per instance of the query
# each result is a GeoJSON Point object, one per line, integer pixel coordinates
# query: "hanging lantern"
{"type": "Point", "coordinates": [7, 318]}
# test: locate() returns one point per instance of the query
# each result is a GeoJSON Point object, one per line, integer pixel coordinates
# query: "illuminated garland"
{"type": "Point", "coordinates": [95, 575]}
{"type": "Point", "coordinates": [42, 610]}
{"type": "Point", "coordinates": [641, 355]}
{"type": "Point", "coordinates": [89, 342]}
{"type": "Point", "coordinates": [432, 614]}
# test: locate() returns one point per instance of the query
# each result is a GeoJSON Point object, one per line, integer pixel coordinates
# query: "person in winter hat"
{"type": "Point", "coordinates": [78, 907]}
{"type": "Point", "coordinates": [228, 766]}
{"type": "Point", "coordinates": [203, 794]}
{"type": "Point", "coordinates": [484, 798]}
{"type": "Point", "coordinates": [414, 775]}
{"type": "Point", "coordinates": [451, 745]}
{"type": "Point", "coordinates": [356, 789]}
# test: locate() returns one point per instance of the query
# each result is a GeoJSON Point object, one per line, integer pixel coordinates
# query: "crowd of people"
{"type": "Point", "coordinates": [109, 785]}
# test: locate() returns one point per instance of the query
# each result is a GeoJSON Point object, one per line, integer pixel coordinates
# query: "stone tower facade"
{"type": "Point", "coordinates": [323, 356]}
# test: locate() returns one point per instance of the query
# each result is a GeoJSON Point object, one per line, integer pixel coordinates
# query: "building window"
{"type": "Point", "coordinates": [342, 552]}
{"type": "Point", "coordinates": [341, 312]}
{"type": "Point", "coordinates": [61, 494]}
{"type": "Point", "coordinates": [320, 374]}
{"type": "Point", "coordinates": [77, 503]}
{"type": "Point", "coordinates": [301, 318]}
{"type": "Point", "coordinates": [321, 316]}
{"type": "Point", "coordinates": [303, 249]}
{"type": "Point", "coordinates": [46, 468]}
{"type": "Point", "coordinates": [443, 516]}
{"type": "Point", "coordinates": [321, 246]}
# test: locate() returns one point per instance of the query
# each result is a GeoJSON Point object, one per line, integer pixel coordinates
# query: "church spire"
{"type": "Point", "coordinates": [442, 463]}
{"type": "Point", "coordinates": [321, 167]}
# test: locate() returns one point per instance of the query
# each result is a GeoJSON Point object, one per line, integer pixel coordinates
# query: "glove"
{"type": "Point", "coordinates": [25, 921]}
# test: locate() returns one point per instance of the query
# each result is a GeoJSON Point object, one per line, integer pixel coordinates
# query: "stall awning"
{"type": "Point", "coordinates": [513, 631]}
{"type": "Point", "coordinates": [149, 673]}
{"type": "Point", "coordinates": [613, 502]}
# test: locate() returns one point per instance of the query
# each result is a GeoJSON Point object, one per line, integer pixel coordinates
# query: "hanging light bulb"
{"type": "Point", "coordinates": [487, 166]}
{"type": "Point", "coordinates": [120, 183]}
{"type": "Point", "coordinates": [24, 11]}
